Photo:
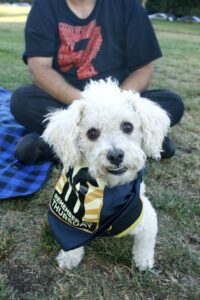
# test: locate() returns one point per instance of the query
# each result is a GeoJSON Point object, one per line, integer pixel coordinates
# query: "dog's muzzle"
{"type": "Point", "coordinates": [115, 157]}
{"type": "Point", "coordinates": [116, 171]}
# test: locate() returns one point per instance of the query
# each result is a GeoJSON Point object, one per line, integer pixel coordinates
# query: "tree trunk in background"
{"type": "Point", "coordinates": [144, 2]}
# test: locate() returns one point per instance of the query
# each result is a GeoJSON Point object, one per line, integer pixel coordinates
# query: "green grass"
{"type": "Point", "coordinates": [27, 247]}
{"type": "Point", "coordinates": [176, 27]}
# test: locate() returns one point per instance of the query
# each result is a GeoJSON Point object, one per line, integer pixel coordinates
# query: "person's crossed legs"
{"type": "Point", "coordinates": [30, 105]}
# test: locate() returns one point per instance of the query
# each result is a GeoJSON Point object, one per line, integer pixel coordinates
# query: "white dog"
{"type": "Point", "coordinates": [106, 135]}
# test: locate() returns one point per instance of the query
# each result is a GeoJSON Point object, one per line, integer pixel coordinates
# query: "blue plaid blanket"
{"type": "Point", "coordinates": [16, 179]}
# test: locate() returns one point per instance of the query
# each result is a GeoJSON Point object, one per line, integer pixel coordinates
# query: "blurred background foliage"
{"type": "Point", "coordinates": [175, 7]}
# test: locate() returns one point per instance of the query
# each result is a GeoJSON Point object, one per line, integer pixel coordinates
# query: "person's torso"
{"type": "Point", "coordinates": [93, 47]}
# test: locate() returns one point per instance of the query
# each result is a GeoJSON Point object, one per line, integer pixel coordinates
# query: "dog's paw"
{"type": "Point", "coordinates": [143, 262]}
{"type": "Point", "coordinates": [70, 259]}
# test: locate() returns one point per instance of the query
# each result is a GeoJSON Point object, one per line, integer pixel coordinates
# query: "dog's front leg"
{"type": "Point", "coordinates": [145, 237]}
{"type": "Point", "coordinates": [70, 259]}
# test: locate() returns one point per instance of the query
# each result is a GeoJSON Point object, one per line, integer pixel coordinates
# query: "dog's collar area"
{"type": "Point", "coordinates": [80, 210]}
{"type": "Point", "coordinates": [98, 182]}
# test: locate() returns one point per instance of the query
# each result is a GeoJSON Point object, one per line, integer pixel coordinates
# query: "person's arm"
{"type": "Point", "coordinates": [138, 80]}
{"type": "Point", "coordinates": [44, 76]}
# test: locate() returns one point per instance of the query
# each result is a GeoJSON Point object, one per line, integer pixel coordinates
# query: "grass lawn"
{"type": "Point", "coordinates": [27, 248]}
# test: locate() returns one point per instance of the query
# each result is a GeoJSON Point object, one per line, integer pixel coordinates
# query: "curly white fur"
{"type": "Point", "coordinates": [105, 107]}
{"type": "Point", "coordinates": [70, 259]}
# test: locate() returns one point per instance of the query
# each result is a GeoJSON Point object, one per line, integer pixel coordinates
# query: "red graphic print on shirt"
{"type": "Point", "coordinates": [68, 57]}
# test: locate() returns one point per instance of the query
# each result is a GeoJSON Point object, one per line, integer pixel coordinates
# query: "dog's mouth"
{"type": "Point", "coordinates": [116, 171]}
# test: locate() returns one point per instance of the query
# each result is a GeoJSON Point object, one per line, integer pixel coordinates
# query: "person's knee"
{"type": "Point", "coordinates": [178, 107]}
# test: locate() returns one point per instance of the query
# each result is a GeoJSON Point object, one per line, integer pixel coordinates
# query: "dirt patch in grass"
{"type": "Point", "coordinates": [26, 280]}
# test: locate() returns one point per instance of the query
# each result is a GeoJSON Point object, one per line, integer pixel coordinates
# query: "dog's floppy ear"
{"type": "Point", "coordinates": [155, 124]}
{"type": "Point", "coordinates": [62, 132]}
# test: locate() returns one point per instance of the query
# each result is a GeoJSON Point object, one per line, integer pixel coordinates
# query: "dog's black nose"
{"type": "Point", "coordinates": [115, 156]}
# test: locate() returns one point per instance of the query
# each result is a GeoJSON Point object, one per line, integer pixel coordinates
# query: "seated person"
{"type": "Point", "coordinates": [69, 42]}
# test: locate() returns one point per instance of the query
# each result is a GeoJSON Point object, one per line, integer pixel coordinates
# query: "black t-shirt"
{"type": "Point", "coordinates": [114, 40]}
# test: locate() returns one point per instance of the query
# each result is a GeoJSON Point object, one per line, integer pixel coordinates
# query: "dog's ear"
{"type": "Point", "coordinates": [155, 124]}
{"type": "Point", "coordinates": [62, 133]}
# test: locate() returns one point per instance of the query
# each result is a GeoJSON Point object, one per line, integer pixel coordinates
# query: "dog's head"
{"type": "Point", "coordinates": [111, 131]}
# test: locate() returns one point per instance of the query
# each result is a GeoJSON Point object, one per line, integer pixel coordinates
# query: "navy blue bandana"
{"type": "Point", "coordinates": [81, 209]}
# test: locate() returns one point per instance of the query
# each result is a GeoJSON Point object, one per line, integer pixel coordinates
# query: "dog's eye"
{"type": "Point", "coordinates": [126, 127]}
{"type": "Point", "coordinates": [93, 134]}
